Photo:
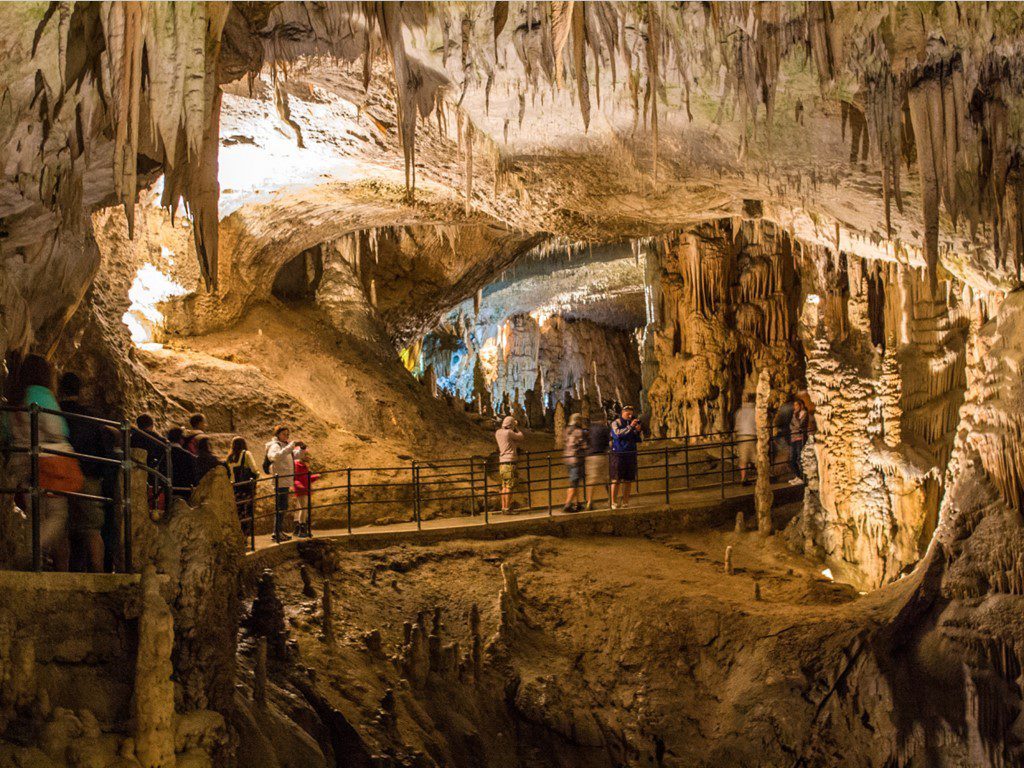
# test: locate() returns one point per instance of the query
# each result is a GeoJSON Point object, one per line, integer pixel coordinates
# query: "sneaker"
{"type": "Point", "coordinates": [279, 537]}
{"type": "Point", "coordinates": [796, 481]}
{"type": "Point", "coordinates": [589, 506]}
{"type": "Point", "coordinates": [614, 505]}
{"type": "Point", "coordinates": [568, 509]}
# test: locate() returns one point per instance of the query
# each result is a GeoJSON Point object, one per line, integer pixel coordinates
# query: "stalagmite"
{"type": "Point", "coordinates": [307, 582]}
{"type": "Point", "coordinates": [728, 560]}
{"type": "Point", "coordinates": [154, 686]}
{"type": "Point", "coordinates": [763, 486]}
{"type": "Point", "coordinates": [741, 524]}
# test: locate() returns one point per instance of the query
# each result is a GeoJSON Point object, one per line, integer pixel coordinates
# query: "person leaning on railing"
{"type": "Point", "coordinates": [34, 386]}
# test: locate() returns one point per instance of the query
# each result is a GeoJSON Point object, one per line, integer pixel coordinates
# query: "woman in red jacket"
{"type": "Point", "coordinates": [302, 486]}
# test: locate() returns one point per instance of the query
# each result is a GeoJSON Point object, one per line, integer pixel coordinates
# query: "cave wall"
{"type": "Point", "coordinates": [533, 362]}
{"type": "Point", "coordinates": [724, 307]}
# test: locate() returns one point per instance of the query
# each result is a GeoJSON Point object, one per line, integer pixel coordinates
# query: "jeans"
{"type": "Point", "coordinates": [280, 507]}
{"type": "Point", "coordinates": [796, 449]}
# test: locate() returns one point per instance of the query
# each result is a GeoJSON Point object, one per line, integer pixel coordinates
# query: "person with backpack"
{"type": "Point", "coordinates": [33, 385]}
{"type": "Point", "coordinates": [183, 464]}
{"type": "Point", "coordinates": [279, 462]}
{"type": "Point", "coordinates": [303, 487]}
{"type": "Point", "coordinates": [626, 433]}
{"type": "Point", "coordinates": [242, 468]}
{"type": "Point", "coordinates": [575, 451]}
{"type": "Point", "coordinates": [86, 517]}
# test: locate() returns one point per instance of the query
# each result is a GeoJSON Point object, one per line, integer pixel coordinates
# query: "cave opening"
{"type": "Point", "coordinates": [299, 278]}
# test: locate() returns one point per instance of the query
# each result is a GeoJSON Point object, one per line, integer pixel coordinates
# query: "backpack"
{"type": "Point", "coordinates": [267, 466]}
{"type": "Point", "coordinates": [240, 473]}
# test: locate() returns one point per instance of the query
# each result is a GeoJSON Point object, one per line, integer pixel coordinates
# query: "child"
{"type": "Point", "coordinates": [302, 486]}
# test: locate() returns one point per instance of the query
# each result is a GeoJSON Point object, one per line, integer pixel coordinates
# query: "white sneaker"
{"type": "Point", "coordinates": [796, 481]}
{"type": "Point", "coordinates": [614, 505]}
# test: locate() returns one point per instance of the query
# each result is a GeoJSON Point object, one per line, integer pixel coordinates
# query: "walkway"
{"type": "Point", "coordinates": [521, 522]}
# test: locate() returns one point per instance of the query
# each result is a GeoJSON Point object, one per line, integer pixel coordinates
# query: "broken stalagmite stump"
{"type": "Point", "coordinates": [259, 683]}
{"type": "Point", "coordinates": [728, 560]}
{"type": "Point", "coordinates": [741, 523]}
{"type": "Point", "coordinates": [328, 615]}
{"type": "Point", "coordinates": [307, 582]}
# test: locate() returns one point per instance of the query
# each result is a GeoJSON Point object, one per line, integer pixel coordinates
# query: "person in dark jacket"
{"type": "Point", "coordinates": [206, 461]}
{"type": "Point", "coordinates": [86, 517]}
{"type": "Point", "coordinates": [626, 434]}
{"type": "Point", "coordinates": [183, 464]}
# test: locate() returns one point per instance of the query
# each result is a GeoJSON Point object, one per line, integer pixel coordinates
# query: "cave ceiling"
{"type": "Point", "coordinates": [890, 131]}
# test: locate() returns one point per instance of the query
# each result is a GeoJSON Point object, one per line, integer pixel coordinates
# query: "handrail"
{"type": "Point", "coordinates": [687, 461]}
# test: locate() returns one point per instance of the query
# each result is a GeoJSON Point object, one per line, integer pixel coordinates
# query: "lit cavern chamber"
{"type": "Point", "coordinates": [390, 226]}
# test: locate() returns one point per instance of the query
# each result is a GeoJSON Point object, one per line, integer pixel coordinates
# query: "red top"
{"type": "Point", "coordinates": [303, 479]}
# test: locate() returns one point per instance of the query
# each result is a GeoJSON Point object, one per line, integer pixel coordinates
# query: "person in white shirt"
{"type": "Point", "coordinates": [746, 436]}
{"type": "Point", "coordinates": [280, 462]}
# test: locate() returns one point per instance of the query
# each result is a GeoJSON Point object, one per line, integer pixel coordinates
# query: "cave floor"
{"type": "Point", "coordinates": [633, 635]}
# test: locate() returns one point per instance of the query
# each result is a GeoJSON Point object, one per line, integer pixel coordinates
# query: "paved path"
{"type": "Point", "coordinates": [647, 501]}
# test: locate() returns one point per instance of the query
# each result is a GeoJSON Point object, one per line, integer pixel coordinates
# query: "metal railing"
{"type": "Point", "coordinates": [471, 486]}
{"type": "Point", "coordinates": [119, 458]}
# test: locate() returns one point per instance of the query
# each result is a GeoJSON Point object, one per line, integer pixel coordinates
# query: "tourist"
{"type": "Point", "coordinates": [508, 438]}
{"type": "Point", "coordinates": [575, 452]}
{"type": "Point", "coordinates": [745, 428]}
{"type": "Point", "coordinates": [798, 428]}
{"type": "Point", "coordinates": [596, 465]}
{"type": "Point", "coordinates": [280, 463]}
{"type": "Point", "coordinates": [303, 487]}
{"type": "Point", "coordinates": [197, 422]}
{"type": "Point", "coordinates": [242, 468]}
{"type": "Point", "coordinates": [183, 464]}
{"type": "Point", "coordinates": [626, 433]}
{"type": "Point", "coordinates": [783, 417]}
{"type": "Point", "coordinates": [86, 517]}
{"type": "Point", "coordinates": [205, 458]}
{"type": "Point", "coordinates": [190, 441]}
{"type": "Point", "coordinates": [145, 438]}
{"type": "Point", "coordinates": [33, 385]}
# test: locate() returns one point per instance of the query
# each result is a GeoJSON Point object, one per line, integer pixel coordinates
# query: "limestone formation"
{"type": "Point", "coordinates": [763, 487]}
{"type": "Point", "coordinates": [154, 687]}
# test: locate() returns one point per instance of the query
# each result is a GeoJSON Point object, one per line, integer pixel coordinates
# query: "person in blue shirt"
{"type": "Point", "coordinates": [626, 433]}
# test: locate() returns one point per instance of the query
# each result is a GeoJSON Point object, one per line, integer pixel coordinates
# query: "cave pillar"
{"type": "Point", "coordinates": [763, 486]}
{"type": "Point", "coordinates": [154, 688]}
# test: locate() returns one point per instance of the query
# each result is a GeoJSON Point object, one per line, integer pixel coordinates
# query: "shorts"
{"type": "Point", "coordinates": [746, 451]}
{"type": "Point", "coordinates": [597, 469]}
{"type": "Point", "coordinates": [575, 475]}
{"type": "Point", "coordinates": [623, 466]}
{"type": "Point", "coordinates": [507, 470]}
{"type": "Point", "coordinates": [86, 514]}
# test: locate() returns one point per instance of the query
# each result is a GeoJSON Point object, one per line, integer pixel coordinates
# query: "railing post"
{"type": "Point", "coordinates": [529, 483]}
{"type": "Point", "coordinates": [686, 458]}
{"type": "Point", "coordinates": [126, 494]}
{"type": "Point", "coordinates": [722, 465]}
{"type": "Point", "coordinates": [348, 498]}
{"type": "Point", "coordinates": [169, 491]}
{"type": "Point", "coordinates": [551, 509]}
{"type": "Point", "coordinates": [487, 514]}
{"type": "Point", "coordinates": [668, 493]}
{"type": "Point", "coordinates": [309, 503]}
{"type": "Point", "coordinates": [472, 487]}
{"type": "Point", "coordinates": [34, 499]}
{"type": "Point", "coordinates": [416, 494]}
{"type": "Point", "coordinates": [278, 514]}
{"type": "Point", "coordinates": [252, 515]}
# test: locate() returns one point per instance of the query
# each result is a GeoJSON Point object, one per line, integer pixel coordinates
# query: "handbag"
{"type": "Point", "coordinates": [60, 474]}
